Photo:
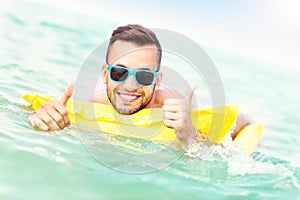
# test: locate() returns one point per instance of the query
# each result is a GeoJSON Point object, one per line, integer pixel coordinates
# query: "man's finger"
{"type": "Point", "coordinates": [63, 112]}
{"type": "Point", "coordinates": [36, 121]}
{"type": "Point", "coordinates": [171, 108]}
{"type": "Point", "coordinates": [175, 124]}
{"type": "Point", "coordinates": [67, 94]}
{"type": "Point", "coordinates": [57, 118]}
{"type": "Point", "coordinates": [48, 120]}
{"type": "Point", "coordinates": [172, 101]}
{"type": "Point", "coordinates": [172, 115]}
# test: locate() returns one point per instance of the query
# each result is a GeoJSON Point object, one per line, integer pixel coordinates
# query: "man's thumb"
{"type": "Point", "coordinates": [67, 94]}
{"type": "Point", "coordinates": [190, 94]}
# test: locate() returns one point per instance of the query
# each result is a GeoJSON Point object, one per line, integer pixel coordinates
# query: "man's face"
{"type": "Point", "coordinates": [129, 97]}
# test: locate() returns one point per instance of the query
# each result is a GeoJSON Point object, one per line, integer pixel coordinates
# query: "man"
{"type": "Point", "coordinates": [132, 79]}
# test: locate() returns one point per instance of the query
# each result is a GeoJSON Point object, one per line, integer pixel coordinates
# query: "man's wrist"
{"type": "Point", "coordinates": [191, 138]}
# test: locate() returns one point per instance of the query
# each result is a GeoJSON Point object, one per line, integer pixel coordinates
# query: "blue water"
{"type": "Point", "coordinates": [42, 50]}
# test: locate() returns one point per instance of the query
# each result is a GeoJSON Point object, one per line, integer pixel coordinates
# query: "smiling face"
{"type": "Point", "coordinates": [129, 97]}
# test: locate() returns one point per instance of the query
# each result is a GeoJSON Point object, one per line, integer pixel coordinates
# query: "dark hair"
{"type": "Point", "coordinates": [136, 34]}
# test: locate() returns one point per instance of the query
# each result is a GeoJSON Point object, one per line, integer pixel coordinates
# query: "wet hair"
{"type": "Point", "coordinates": [136, 34]}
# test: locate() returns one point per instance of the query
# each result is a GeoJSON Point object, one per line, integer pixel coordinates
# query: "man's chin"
{"type": "Point", "coordinates": [125, 110]}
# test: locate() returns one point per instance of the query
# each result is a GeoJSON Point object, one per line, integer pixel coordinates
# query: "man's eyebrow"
{"type": "Point", "coordinates": [144, 68]}
{"type": "Point", "coordinates": [121, 65]}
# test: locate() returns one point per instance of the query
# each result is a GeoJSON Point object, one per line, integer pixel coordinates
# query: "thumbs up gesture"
{"type": "Point", "coordinates": [177, 115]}
{"type": "Point", "coordinates": [53, 115]}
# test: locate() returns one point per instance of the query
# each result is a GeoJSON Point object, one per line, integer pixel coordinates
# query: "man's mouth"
{"type": "Point", "coordinates": [129, 97]}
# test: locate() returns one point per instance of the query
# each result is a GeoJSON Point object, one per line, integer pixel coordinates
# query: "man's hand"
{"type": "Point", "coordinates": [177, 114]}
{"type": "Point", "coordinates": [53, 115]}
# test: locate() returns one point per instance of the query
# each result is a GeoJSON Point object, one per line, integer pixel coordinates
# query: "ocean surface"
{"type": "Point", "coordinates": [43, 49]}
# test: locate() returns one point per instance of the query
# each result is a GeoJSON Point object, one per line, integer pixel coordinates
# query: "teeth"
{"type": "Point", "coordinates": [127, 97]}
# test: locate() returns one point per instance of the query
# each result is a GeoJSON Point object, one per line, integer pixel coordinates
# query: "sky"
{"type": "Point", "coordinates": [266, 30]}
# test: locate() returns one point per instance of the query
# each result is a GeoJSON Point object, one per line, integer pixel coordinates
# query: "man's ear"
{"type": "Point", "coordinates": [158, 80]}
{"type": "Point", "coordinates": [104, 74]}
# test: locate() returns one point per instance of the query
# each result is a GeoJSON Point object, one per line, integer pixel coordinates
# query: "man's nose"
{"type": "Point", "coordinates": [130, 84]}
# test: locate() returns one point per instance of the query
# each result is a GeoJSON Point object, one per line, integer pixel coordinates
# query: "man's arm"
{"type": "Point", "coordinates": [101, 97]}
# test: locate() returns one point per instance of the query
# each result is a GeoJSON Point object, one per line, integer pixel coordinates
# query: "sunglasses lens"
{"type": "Point", "coordinates": [144, 77]}
{"type": "Point", "coordinates": [118, 74]}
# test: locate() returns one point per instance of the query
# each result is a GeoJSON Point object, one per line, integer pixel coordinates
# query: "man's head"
{"type": "Point", "coordinates": [135, 48]}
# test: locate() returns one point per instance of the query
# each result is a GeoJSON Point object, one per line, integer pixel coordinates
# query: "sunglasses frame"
{"type": "Point", "coordinates": [132, 72]}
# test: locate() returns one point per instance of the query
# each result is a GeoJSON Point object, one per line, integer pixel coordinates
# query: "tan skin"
{"type": "Point", "coordinates": [129, 97]}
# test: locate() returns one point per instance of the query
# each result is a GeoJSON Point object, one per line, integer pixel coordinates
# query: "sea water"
{"type": "Point", "coordinates": [42, 51]}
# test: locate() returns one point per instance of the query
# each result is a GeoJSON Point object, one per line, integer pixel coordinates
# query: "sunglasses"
{"type": "Point", "coordinates": [142, 77]}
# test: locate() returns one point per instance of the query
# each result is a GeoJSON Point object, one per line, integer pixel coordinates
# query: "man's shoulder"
{"type": "Point", "coordinates": [162, 94]}
{"type": "Point", "coordinates": [100, 96]}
